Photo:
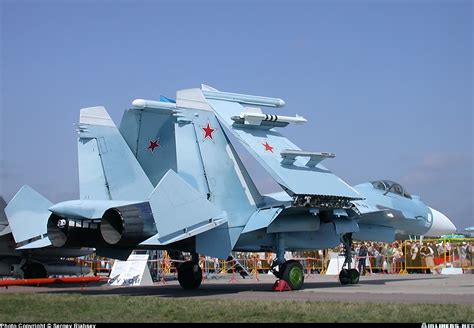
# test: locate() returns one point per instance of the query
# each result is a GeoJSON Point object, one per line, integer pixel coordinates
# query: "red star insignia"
{"type": "Point", "coordinates": [153, 144]}
{"type": "Point", "coordinates": [208, 131]}
{"type": "Point", "coordinates": [268, 147]}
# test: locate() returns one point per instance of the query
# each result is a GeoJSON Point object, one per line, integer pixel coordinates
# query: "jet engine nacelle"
{"type": "Point", "coordinates": [127, 225]}
{"type": "Point", "coordinates": [64, 232]}
{"type": "Point", "coordinates": [73, 224]}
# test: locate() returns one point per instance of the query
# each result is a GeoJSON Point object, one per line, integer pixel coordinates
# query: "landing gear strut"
{"type": "Point", "coordinates": [349, 275]}
{"type": "Point", "coordinates": [290, 271]}
{"type": "Point", "coordinates": [190, 273]}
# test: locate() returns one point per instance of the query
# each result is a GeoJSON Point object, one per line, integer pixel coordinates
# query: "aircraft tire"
{"type": "Point", "coordinates": [35, 270]}
{"type": "Point", "coordinates": [293, 274]}
{"type": "Point", "coordinates": [189, 275]}
{"type": "Point", "coordinates": [354, 276]}
{"type": "Point", "coordinates": [344, 277]}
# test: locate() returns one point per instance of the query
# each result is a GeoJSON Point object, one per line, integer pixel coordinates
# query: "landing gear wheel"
{"type": "Point", "coordinates": [354, 276]}
{"type": "Point", "coordinates": [292, 273]}
{"type": "Point", "coordinates": [344, 277]}
{"type": "Point", "coordinates": [34, 270]}
{"type": "Point", "coordinates": [189, 275]}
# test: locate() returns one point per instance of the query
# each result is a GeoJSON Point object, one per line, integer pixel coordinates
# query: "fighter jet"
{"type": "Point", "coordinates": [34, 262]}
{"type": "Point", "coordinates": [170, 178]}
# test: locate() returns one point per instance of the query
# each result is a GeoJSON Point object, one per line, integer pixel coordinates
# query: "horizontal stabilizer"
{"type": "Point", "coordinates": [28, 214]}
{"type": "Point", "coordinates": [179, 209]}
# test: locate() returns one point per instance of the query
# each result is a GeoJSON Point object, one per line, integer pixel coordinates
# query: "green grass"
{"type": "Point", "coordinates": [79, 308]}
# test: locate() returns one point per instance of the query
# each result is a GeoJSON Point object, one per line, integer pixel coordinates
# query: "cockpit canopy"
{"type": "Point", "coordinates": [390, 186]}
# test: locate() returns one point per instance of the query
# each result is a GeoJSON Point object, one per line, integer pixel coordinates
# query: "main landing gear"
{"type": "Point", "coordinates": [190, 273]}
{"type": "Point", "coordinates": [290, 271]}
{"type": "Point", "coordinates": [349, 275]}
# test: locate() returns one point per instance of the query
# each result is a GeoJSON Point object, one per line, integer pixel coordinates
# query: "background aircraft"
{"type": "Point", "coordinates": [34, 262]}
{"type": "Point", "coordinates": [170, 178]}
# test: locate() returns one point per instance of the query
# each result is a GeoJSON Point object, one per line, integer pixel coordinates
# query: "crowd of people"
{"type": "Point", "coordinates": [369, 257]}
{"type": "Point", "coordinates": [376, 257]}
{"type": "Point", "coordinates": [412, 256]}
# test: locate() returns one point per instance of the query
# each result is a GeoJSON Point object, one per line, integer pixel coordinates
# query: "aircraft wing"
{"type": "Point", "coordinates": [297, 171]}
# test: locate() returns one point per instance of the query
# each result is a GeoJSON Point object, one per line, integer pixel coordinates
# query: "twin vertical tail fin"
{"type": "Point", "coordinates": [107, 167]}
{"type": "Point", "coordinates": [192, 143]}
{"type": "Point", "coordinates": [150, 134]}
{"type": "Point", "coordinates": [111, 169]}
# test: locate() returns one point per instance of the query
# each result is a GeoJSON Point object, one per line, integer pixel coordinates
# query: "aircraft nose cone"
{"type": "Point", "coordinates": [441, 225]}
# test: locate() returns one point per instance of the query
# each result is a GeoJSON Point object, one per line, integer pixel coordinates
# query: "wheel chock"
{"type": "Point", "coordinates": [281, 285]}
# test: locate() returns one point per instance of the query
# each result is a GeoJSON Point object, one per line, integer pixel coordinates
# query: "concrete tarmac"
{"type": "Point", "coordinates": [379, 288]}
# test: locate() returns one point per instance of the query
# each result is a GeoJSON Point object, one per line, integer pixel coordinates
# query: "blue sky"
{"type": "Point", "coordinates": [386, 85]}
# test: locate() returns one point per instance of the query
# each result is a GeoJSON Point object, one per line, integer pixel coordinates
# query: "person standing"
{"type": "Point", "coordinates": [389, 253]}
{"type": "Point", "coordinates": [415, 257]}
{"type": "Point", "coordinates": [398, 258]}
{"type": "Point", "coordinates": [363, 251]}
{"type": "Point", "coordinates": [428, 255]}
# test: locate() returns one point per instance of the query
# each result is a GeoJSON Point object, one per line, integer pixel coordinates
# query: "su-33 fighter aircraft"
{"type": "Point", "coordinates": [170, 178]}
